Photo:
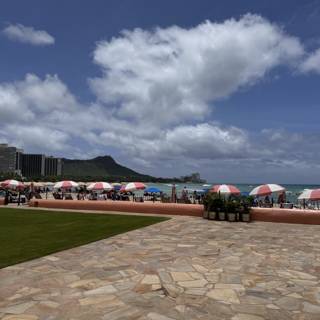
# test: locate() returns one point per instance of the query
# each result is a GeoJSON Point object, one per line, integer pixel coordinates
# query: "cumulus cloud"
{"type": "Point", "coordinates": [21, 33]}
{"type": "Point", "coordinates": [171, 75]}
{"type": "Point", "coordinates": [201, 141]}
{"type": "Point", "coordinates": [312, 62]}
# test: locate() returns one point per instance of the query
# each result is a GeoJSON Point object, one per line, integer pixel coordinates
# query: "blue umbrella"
{"type": "Point", "coordinates": [117, 187]}
{"type": "Point", "coordinates": [152, 190]}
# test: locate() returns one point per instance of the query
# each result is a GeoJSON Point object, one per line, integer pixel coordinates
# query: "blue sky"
{"type": "Point", "coordinates": [77, 91]}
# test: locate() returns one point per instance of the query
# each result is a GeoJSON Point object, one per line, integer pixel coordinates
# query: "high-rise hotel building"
{"type": "Point", "coordinates": [14, 160]}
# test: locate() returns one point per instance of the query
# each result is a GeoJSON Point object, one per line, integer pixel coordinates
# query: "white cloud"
{"type": "Point", "coordinates": [201, 141]}
{"type": "Point", "coordinates": [312, 62]}
{"type": "Point", "coordinates": [168, 76]}
{"type": "Point", "coordinates": [21, 33]}
{"type": "Point", "coordinates": [38, 137]}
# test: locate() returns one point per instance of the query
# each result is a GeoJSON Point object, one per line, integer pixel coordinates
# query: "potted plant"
{"type": "Point", "coordinates": [212, 210]}
{"type": "Point", "coordinates": [206, 206]}
{"type": "Point", "coordinates": [220, 205]}
{"type": "Point", "coordinates": [245, 213]}
{"type": "Point", "coordinates": [231, 209]}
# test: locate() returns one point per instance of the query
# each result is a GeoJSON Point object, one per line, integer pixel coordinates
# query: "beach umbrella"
{"type": "Point", "coordinates": [116, 186]}
{"type": "Point", "coordinates": [225, 189]}
{"type": "Point", "coordinates": [310, 194]}
{"type": "Point", "coordinates": [12, 184]}
{"type": "Point", "coordinates": [100, 186]}
{"type": "Point", "coordinates": [49, 184]}
{"type": "Point", "coordinates": [132, 186]}
{"type": "Point", "coordinates": [152, 190]}
{"type": "Point", "coordinates": [66, 185]}
{"type": "Point", "coordinates": [266, 189]}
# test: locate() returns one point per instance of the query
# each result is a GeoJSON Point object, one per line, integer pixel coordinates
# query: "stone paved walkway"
{"type": "Point", "coordinates": [185, 268]}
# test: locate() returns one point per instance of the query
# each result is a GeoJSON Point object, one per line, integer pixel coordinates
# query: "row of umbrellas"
{"type": "Point", "coordinates": [224, 189]}
{"type": "Point", "coordinates": [266, 189]}
{"type": "Point", "coordinates": [262, 190]}
{"type": "Point", "coordinates": [97, 186]}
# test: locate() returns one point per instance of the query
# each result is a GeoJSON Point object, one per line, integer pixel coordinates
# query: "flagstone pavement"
{"type": "Point", "coordinates": [184, 268]}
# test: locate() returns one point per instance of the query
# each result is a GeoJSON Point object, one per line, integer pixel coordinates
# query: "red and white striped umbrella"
{"type": "Point", "coordinates": [225, 189]}
{"type": "Point", "coordinates": [266, 189]}
{"type": "Point", "coordinates": [132, 186]}
{"type": "Point", "coordinates": [100, 186]}
{"type": "Point", "coordinates": [12, 184]}
{"type": "Point", "coordinates": [310, 194]}
{"type": "Point", "coordinates": [66, 185]}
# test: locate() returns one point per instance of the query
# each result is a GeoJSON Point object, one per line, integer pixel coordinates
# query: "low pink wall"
{"type": "Point", "coordinates": [1, 201]}
{"type": "Point", "coordinates": [123, 206]}
{"type": "Point", "coordinates": [257, 214]}
{"type": "Point", "coordinates": [285, 215]}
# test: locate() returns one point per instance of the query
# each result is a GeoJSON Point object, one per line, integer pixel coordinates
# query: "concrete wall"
{"type": "Point", "coordinates": [286, 215]}
{"type": "Point", "coordinates": [123, 206]}
{"type": "Point", "coordinates": [257, 214]}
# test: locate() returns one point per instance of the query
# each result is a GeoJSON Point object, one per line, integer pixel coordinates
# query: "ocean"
{"type": "Point", "coordinates": [292, 190]}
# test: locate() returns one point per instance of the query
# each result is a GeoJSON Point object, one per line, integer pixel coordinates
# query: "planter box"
{"type": "Point", "coordinates": [245, 217]}
{"type": "Point", "coordinates": [212, 215]}
{"type": "Point", "coordinates": [222, 216]}
{"type": "Point", "coordinates": [232, 217]}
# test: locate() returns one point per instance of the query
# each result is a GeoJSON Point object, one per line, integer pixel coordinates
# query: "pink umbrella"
{"type": "Point", "coordinates": [313, 195]}
{"type": "Point", "coordinates": [226, 189]}
{"type": "Point", "coordinates": [12, 184]}
{"type": "Point", "coordinates": [100, 186]}
{"type": "Point", "coordinates": [266, 189]}
{"type": "Point", "coordinates": [66, 185]}
{"type": "Point", "coordinates": [132, 186]}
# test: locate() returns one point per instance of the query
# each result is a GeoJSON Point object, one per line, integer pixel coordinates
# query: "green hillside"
{"type": "Point", "coordinates": [104, 166]}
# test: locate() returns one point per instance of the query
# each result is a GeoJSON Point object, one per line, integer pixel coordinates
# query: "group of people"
{"type": "Point", "coordinates": [269, 202]}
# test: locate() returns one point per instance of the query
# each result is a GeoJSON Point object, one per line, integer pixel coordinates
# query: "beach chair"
{"type": "Point", "coordinates": [68, 197]}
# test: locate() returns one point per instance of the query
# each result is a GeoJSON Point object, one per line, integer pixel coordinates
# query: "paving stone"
{"type": "Point", "coordinates": [245, 316]}
{"type": "Point", "coordinates": [21, 317]}
{"type": "Point", "coordinates": [18, 308]}
{"type": "Point", "coordinates": [181, 276]}
{"type": "Point", "coordinates": [224, 295]}
{"type": "Point", "coordinates": [193, 284]}
{"type": "Point", "coordinates": [251, 309]}
{"type": "Point", "coordinates": [311, 308]}
{"type": "Point", "coordinates": [98, 299]}
{"type": "Point", "coordinates": [288, 303]}
{"type": "Point", "coordinates": [196, 291]}
{"type": "Point", "coordinates": [150, 279]}
{"type": "Point", "coordinates": [172, 290]}
{"type": "Point", "coordinates": [157, 316]}
{"type": "Point", "coordinates": [200, 268]}
{"type": "Point", "coordinates": [101, 290]}
{"type": "Point", "coordinates": [50, 304]}
{"type": "Point", "coordinates": [236, 287]}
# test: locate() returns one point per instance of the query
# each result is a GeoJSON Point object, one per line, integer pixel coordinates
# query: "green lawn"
{"type": "Point", "coordinates": [29, 234]}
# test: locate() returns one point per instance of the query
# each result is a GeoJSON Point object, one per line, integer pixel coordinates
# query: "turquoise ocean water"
{"type": "Point", "coordinates": [292, 190]}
